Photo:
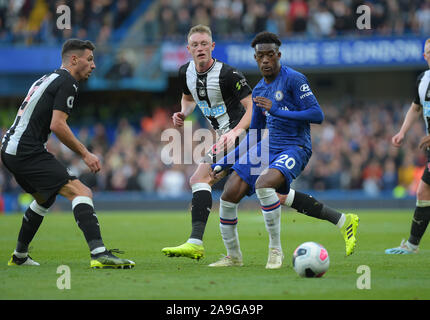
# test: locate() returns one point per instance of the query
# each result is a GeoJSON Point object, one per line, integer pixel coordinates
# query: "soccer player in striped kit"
{"type": "Point", "coordinates": [45, 109]}
{"type": "Point", "coordinates": [223, 95]}
{"type": "Point", "coordinates": [420, 107]}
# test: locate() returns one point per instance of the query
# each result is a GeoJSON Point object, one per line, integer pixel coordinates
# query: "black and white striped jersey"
{"type": "Point", "coordinates": [217, 92]}
{"type": "Point", "coordinates": [31, 128]}
{"type": "Point", "coordinates": [423, 96]}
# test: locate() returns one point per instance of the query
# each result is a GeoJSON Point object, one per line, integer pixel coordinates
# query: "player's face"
{"type": "Point", "coordinates": [200, 46]}
{"type": "Point", "coordinates": [427, 53]}
{"type": "Point", "coordinates": [85, 64]}
{"type": "Point", "coordinates": [268, 58]}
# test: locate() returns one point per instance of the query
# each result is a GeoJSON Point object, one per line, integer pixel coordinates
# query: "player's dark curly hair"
{"type": "Point", "coordinates": [266, 37]}
{"type": "Point", "coordinates": [76, 44]}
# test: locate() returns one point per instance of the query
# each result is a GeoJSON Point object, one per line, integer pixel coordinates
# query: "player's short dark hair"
{"type": "Point", "coordinates": [266, 37]}
{"type": "Point", "coordinates": [76, 45]}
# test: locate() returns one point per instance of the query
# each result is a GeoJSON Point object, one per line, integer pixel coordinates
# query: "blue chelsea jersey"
{"type": "Point", "coordinates": [289, 91]}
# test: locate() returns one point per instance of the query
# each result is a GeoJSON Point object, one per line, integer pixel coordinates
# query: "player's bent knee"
{"type": "Point", "coordinates": [423, 192]}
{"type": "Point", "coordinates": [201, 175]}
{"type": "Point", "coordinates": [75, 188]}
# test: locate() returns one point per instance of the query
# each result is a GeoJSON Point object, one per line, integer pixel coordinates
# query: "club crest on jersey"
{"type": "Point", "coordinates": [202, 92]}
{"type": "Point", "coordinates": [279, 95]}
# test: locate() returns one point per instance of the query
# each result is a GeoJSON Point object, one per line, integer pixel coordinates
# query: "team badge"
{"type": "Point", "coordinates": [202, 92]}
{"type": "Point", "coordinates": [279, 95]}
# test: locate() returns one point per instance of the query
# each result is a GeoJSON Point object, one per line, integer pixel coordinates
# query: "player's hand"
{"type": "Point", "coordinates": [217, 174]}
{"type": "Point", "coordinates": [397, 140]}
{"type": "Point", "coordinates": [425, 142]}
{"type": "Point", "coordinates": [92, 162]}
{"type": "Point", "coordinates": [225, 142]}
{"type": "Point", "coordinates": [263, 102]}
{"type": "Point", "coordinates": [178, 119]}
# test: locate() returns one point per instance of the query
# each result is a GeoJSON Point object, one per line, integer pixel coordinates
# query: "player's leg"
{"type": "Point", "coordinates": [265, 188]}
{"type": "Point", "coordinates": [201, 205]}
{"type": "Point", "coordinates": [308, 205]}
{"type": "Point", "coordinates": [420, 219]}
{"type": "Point", "coordinates": [234, 190]}
{"type": "Point", "coordinates": [86, 218]}
{"type": "Point", "coordinates": [31, 222]}
{"type": "Point", "coordinates": [33, 216]}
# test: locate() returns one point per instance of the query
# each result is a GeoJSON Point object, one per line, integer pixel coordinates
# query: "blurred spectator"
{"type": "Point", "coordinates": [322, 22]}
{"type": "Point", "coordinates": [423, 17]}
{"type": "Point", "coordinates": [121, 68]}
{"type": "Point", "coordinates": [298, 16]}
{"type": "Point", "coordinates": [173, 182]}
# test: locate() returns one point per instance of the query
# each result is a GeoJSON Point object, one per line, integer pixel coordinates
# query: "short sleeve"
{"type": "Point", "coordinates": [238, 84]}
{"type": "Point", "coordinates": [417, 99]}
{"type": "Point", "coordinates": [65, 96]}
{"type": "Point", "coordinates": [182, 74]}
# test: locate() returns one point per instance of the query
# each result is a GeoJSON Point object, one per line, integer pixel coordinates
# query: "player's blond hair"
{"type": "Point", "coordinates": [200, 28]}
{"type": "Point", "coordinates": [427, 42]}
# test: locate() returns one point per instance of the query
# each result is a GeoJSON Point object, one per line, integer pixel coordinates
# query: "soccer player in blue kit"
{"type": "Point", "coordinates": [284, 104]}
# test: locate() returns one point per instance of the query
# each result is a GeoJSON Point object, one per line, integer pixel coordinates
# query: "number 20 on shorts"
{"type": "Point", "coordinates": [287, 161]}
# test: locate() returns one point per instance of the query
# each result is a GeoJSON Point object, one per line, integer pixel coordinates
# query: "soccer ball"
{"type": "Point", "coordinates": [310, 260]}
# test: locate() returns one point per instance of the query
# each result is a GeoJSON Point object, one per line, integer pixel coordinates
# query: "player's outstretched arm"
{"type": "Point", "coordinates": [413, 114]}
{"type": "Point", "coordinates": [313, 114]}
{"type": "Point", "coordinates": [63, 132]}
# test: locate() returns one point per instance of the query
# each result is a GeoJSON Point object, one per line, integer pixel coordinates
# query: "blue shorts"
{"type": "Point", "coordinates": [289, 160]}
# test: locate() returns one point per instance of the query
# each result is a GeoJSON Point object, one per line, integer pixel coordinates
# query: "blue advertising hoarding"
{"type": "Point", "coordinates": [315, 54]}
{"type": "Point", "coordinates": [150, 69]}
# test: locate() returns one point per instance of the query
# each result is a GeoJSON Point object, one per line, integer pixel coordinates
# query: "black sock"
{"type": "Point", "coordinates": [30, 224]}
{"type": "Point", "coordinates": [308, 205]}
{"type": "Point", "coordinates": [330, 214]}
{"type": "Point", "coordinates": [87, 221]}
{"type": "Point", "coordinates": [419, 225]}
{"type": "Point", "coordinates": [201, 206]}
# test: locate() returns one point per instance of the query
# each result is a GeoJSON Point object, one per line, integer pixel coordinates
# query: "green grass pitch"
{"type": "Point", "coordinates": [156, 277]}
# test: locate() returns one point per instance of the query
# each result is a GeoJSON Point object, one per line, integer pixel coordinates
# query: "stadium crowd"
{"type": "Point", "coordinates": [352, 151]}
{"type": "Point", "coordinates": [34, 21]}
{"type": "Point", "coordinates": [238, 19]}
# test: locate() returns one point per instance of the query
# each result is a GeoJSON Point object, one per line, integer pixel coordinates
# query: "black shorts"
{"type": "Point", "coordinates": [40, 174]}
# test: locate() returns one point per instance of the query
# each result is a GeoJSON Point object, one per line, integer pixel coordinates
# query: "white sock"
{"type": "Point", "coordinates": [98, 250]}
{"type": "Point", "coordinates": [290, 198]}
{"type": "Point", "coordinates": [341, 221]}
{"type": "Point", "coordinates": [195, 241]}
{"type": "Point", "coordinates": [228, 228]}
{"type": "Point", "coordinates": [20, 254]}
{"type": "Point", "coordinates": [411, 246]}
{"type": "Point", "coordinates": [271, 209]}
